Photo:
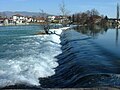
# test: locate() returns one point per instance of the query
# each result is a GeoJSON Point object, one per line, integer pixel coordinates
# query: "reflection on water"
{"type": "Point", "coordinates": [117, 36]}
{"type": "Point", "coordinates": [93, 31]}
{"type": "Point", "coordinates": [107, 37]}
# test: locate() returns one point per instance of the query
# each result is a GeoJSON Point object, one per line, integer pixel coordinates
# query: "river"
{"type": "Point", "coordinates": [80, 57]}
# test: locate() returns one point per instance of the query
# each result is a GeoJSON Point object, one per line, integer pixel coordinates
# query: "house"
{"type": "Point", "coordinates": [55, 19]}
{"type": "Point", "coordinates": [64, 19]}
{"type": "Point", "coordinates": [97, 19]}
{"type": "Point", "coordinates": [30, 19]}
{"type": "Point", "coordinates": [40, 20]}
{"type": "Point", "coordinates": [18, 19]}
{"type": "Point", "coordinates": [4, 21]}
{"type": "Point", "coordinates": [1, 21]}
{"type": "Point", "coordinates": [113, 21]}
{"type": "Point", "coordinates": [51, 18]}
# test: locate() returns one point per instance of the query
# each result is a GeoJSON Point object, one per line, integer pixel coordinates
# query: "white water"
{"type": "Point", "coordinates": [28, 58]}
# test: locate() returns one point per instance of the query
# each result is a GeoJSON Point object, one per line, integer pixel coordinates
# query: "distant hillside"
{"type": "Point", "coordinates": [24, 13]}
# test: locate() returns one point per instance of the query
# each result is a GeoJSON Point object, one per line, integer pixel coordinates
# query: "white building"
{"type": "Point", "coordinates": [29, 19]}
{"type": "Point", "coordinates": [40, 20]}
{"type": "Point", "coordinates": [4, 21]}
{"type": "Point", "coordinates": [18, 19]}
{"type": "Point", "coordinates": [51, 18]}
{"type": "Point", "coordinates": [1, 21]}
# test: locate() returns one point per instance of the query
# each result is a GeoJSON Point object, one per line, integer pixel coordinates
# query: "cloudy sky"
{"type": "Point", "coordinates": [105, 7]}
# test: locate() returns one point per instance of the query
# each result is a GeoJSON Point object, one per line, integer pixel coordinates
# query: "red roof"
{"type": "Point", "coordinates": [4, 18]}
{"type": "Point", "coordinates": [1, 18]}
{"type": "Point", "coordinates": [18, 15]}
{"type": "Point", "coordinates": [40, 18]}
{"type": "Point", "coordinates": [57, 17]}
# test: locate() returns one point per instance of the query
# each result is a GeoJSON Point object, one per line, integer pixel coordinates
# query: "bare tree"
{"type": "Point", "coordinates": [88, 12]}
{"type": "Point", "coordinates": [42, 12]}
{"type": "Point", "coordinates": [44, 15]}
{"type": "Point", "coordinates": [65, 13]}
{"type": "Point", "coordinates": [94, 12]}
{"type": "Point", "coordinates": [63, 9]}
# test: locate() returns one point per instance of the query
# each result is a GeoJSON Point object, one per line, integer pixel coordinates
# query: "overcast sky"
{"type": "Point", "coordinates": [105, 7]}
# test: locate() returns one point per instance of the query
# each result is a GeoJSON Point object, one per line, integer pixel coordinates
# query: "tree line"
{"type": "Point", "coordinates": [89, 17]}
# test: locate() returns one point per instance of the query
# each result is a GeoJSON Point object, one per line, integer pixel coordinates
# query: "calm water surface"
{"type": "Point", "coordinates": [108, 38]}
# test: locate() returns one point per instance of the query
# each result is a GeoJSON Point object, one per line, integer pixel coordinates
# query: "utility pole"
{"type": "Point", "coordinates": [117, 12]}
{"type": "Point", "coordinates": [117, 33]}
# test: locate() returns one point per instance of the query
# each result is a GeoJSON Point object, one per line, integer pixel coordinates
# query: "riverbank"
{"type": "Point", "coordinates": [21, 24]}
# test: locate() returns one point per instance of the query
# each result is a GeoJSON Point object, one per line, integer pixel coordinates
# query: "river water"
{"type": "Point", "coordinates": [80, 57]}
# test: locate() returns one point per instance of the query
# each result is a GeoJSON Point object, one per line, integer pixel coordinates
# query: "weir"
{"type": "Point", "coordinates": [82, 64]}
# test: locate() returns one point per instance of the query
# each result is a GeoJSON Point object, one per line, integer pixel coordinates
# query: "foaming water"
{"type": "Point", "coordinates": [25, 59]}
